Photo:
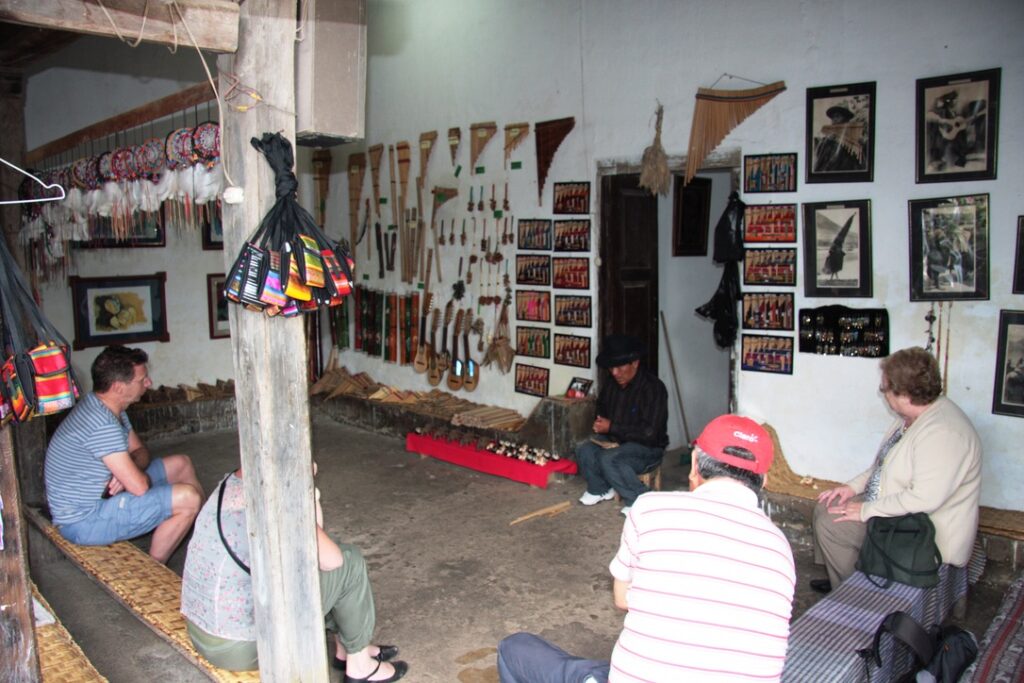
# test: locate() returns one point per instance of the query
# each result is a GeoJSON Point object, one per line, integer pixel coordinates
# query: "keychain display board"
{"type": "Point", "coordinates": [844, 331]}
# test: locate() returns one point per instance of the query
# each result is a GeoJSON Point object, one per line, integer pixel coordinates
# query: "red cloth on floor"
{"type": "Point", "coordinates": [487, 462]}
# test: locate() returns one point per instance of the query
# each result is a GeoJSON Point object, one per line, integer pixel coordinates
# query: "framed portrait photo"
{"type": "Point", "coordinates": [958, 127]}
{"type": "Point", "coordinates": [217, 306]}
{"type": "Point", "coordinates": [1018, 259]}
{"type": "Point", "coordinates": [949, 248]}
{"type": "Point", "coordinates": [1008, 393]}
{"type": "Point", "coordinates": [769, 223]}
{"type": "Point", "coordinates": [769, 173]}
{"type": "Point", "coordinates": [841, 133]}
{"type": "Point", "coordinates": [766, 353]}
{"type": "Point", "coordinates": [578, 387]}
{"type": "Point", "coordinates": [837, 249]}
{"type": "Point", "coordinates": [769, 267]}
{"type": "Point", "coordinates": [118, 310]}
{"type": "Point", "coordinates": [571, 197]}
{"type": "Point", "coordinates": [691, 206]}
{"type": "Point", "coordinates": [532, 380]}
{"type": "Point", "coordinates": [768, 311]}
{"type": "Point", "coordinates": [534, 234]}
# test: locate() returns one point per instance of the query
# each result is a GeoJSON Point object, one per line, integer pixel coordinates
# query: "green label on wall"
{"type": "Point", "coordinates": [516, 165]}
{"type": "Point", "coordinates": [383, 200]}
{"type": "Point", "coordinates": [498, 213]}
{"type": "Point", "coordinates": [478, 170]}
{"type": "Point", "coordinates": [366, 276]}
{"type": "Point", "coordinates": [458, 170]}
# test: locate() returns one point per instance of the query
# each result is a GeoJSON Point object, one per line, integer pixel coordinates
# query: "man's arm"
{"type": "Point", "coordinates": [127, 475]}
{"type": "Point", "coordinates": [652, 417]}
{"type": "Point", "coordinates": [138, 451]}
{"type": "Point", "coordinates": [619, 589]}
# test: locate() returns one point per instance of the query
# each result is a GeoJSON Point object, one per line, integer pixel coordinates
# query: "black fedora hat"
{"type": "Point", "coordinates": [839, 114]}
{"type": "Point", "coordinates": [619, 349]}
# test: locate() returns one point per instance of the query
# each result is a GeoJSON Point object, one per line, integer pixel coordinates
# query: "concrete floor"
{"type": "Point", "coordinates": [451, 577]}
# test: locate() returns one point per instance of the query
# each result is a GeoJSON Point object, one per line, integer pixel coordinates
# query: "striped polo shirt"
{"type": "Point", "coordinates": [711, 588]}
{"type": "Point", "coordinates": [74, 471]}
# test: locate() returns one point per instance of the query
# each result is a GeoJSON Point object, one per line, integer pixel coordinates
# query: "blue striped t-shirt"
{"type": "Point", "coordinates": [74, 471]}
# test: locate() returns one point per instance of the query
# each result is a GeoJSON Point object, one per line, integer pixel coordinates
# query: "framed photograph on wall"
{"type": "Point", "coordinates": [572, 235]}
{"type": "Point", "coordinates": [769, 267]}
{"type": "Point", "coordinates": [837, 249]}
{"type": "Point", "coordinates": [217, 306]}
{"type": "Point", "coordinates": [118, 310]}
{"type": "Point", "coordinates": [571, 197]}
{"type": "Point", "coordinates": [769, 173]}
{"type": "Point", "coordinates": [949, 248]}
{"type": "Point", "coordinates": [534, 234]}
{"type": "Point", "coordinates": [841, 133]}
{"type": "Point", "coordinates": [769, 223]}
{"type": "Point", "coordinates": [211, 226]}
{"type": "Point", "coordinates": [768, 311]}
{"type": "Point", "coordinates": [691, 207]}
{"type": "Point", "coordinates": [534, 342]}
{"type": "Point", "coordinates": [532, 380]}
{"type": "Point", "coordinates": [958, 127]}
{"type": "Point", "coordinates": [571, 349]}
{"type": "Point", "coordinates": [1008, 393]}
{"type": "Point", "coordinates": [533, 270]}
{"type": "Point", "coordinates": [765, 353]}
{"type": "Point", "coordinates": [533, 305]}
{"type": "Point", "coordinates": [571, 272]}
{"type": "Point", "coordinates": [572, 310]}
{"type": "Point", "coordinates": [1018, 260]}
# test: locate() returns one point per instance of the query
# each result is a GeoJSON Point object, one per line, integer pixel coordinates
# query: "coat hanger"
{"type": "Point", "coordinates": [45, 186]}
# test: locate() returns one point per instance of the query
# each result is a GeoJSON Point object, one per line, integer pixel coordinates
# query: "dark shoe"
{"type": "Point", "coordinates": [400, 670]}
{"type": "Point", "coordinates": [386, 654]}
{"type": "Point", "coordinates": [821, 586]}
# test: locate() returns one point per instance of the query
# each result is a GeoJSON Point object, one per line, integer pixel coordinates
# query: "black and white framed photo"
{"type": "Point", "coordinates": [767, 353]}
{"type": "Point", "coordinates": [949, 248]}
{"type": "Point", "coordinates": [1008, 392]}
{"type": "Point", "coordinates": [769, 267]}
{"type": "Point", "coordinates": [768, 311]}
{"type": "Point", "coordinates": [841, 133]}
{"type": "Point", "coordinates": [958, 127]}
{"type": "Point", "coordinates": [837, 249]}
{"type": "Point", "coordinates": [217, 306]}
{"type": "Point", "coordinates": [769, 173]}
{"type": "Point", "coordinates": [1018, 259]}
{"type": "Point", "coordinates": [534, 234]}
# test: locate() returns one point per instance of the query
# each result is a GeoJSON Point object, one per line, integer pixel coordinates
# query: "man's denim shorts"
{"type": "Point", "coordinates": [125, 516]}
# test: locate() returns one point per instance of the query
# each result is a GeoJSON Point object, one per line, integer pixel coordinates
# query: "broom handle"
{"type": "Point", "coordinates": [675, 377]}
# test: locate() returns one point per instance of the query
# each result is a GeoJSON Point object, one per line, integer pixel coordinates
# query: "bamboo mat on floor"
{"type": "Point", "coordinates": [60, 658]}
{"type": "Point", "coordinates": [782, 479]}
{"type": "Point", "coordinates": [149, 589]}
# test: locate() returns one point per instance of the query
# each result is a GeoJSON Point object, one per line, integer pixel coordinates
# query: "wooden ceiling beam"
{"type": "Point", "coordinates": [213, 23]}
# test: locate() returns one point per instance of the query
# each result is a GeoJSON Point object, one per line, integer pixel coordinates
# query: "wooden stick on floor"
{"type": "Point", "coordinates": [550, 511]}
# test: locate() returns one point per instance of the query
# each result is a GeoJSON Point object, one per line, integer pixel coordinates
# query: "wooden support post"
{"type": "Point", "coordinates": [271, 392]}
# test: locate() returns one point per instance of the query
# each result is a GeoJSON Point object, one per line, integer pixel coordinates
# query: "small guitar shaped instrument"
{"type": "Point", "coordinates": [433, 371]}
{"type": "Point", "coordinates": [444, 360]}
{"type": "Point", "coordinates": [471, 374]}
{"type": "Point", "coordinates": [421, 361]}
{"type": "Point", "coordinates": [455, 372]}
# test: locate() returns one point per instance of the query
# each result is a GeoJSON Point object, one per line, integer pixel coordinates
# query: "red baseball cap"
{"type": "Point", "coordinates": [741, 432]}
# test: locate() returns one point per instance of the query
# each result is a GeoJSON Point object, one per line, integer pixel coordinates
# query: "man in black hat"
{"type": "Point", "coordinates": [630, 431]}
{"type": "Point", "coordinates": [840, 144]}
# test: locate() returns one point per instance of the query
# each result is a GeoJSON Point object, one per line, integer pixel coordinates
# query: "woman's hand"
{"type": "Point", "coordinates": [836, 496]}
{"type": "Point", "coordinates": [848, 511]}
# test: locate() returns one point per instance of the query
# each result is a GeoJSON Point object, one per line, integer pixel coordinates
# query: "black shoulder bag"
{"type": "Point", "coordinates": [220, 530]}
{"type": "Point", "coordinates": [942, 652]}
{"type": "Point", "coordinates": [901, 549]}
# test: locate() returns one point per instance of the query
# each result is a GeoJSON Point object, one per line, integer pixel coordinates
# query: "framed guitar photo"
{"type": "Point", "coordinates": [958, 127]}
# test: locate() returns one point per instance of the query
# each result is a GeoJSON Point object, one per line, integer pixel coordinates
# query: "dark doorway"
{"type": "Point", "coordinates": [629, 262]}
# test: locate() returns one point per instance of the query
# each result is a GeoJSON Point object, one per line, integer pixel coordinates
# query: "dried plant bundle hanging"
{"type": "Point", "coordinates": [654, 173]}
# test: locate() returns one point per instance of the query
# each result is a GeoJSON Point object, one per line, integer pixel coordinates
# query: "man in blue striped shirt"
{"type": "Point", "coordinates": [101, 483]}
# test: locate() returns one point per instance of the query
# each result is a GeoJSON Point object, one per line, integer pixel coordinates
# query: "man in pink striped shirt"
{"type": "Point", "coordinates": [706, 578]}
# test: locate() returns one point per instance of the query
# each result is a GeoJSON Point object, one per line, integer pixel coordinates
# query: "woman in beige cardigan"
{"type": "Point", "coordinates": [929, 461]}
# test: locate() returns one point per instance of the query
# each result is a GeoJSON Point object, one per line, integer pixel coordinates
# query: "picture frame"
{"type": "Point", "coordinates": [579, 387]}
{"type": "Point", "coordinates": [217, 306]}
{"type": "Point", "coordinates": [957, 131]}
{"type": "Point", "coordinates": [118, 309]}
{"type": "Point", "coordinates": [691, 209]}
{"type": "Point", "coordinates": [769, 172]}
{"type": "Point", "coordinates": [572, 349]}
{"type": "Point", "coordinates": [212, 227]}
{"type": "Point", "coordinates": [1008, 390]}
{"type": "Point", "coordinates": [571, 198]}
{"type": "Point", "coordinates": [148, 231]}
{"type": "Point", "coordinates": [837, 249]}
{"type": "Point", "coordinates": [534, 234]}
{"type": "Point", "coordinates": [768, 311]}
{"type": "Point", "coordinates": [571, 272]}
{"type": "Point", "coordinates": [840, 145]}
{"type": "Point", "coordinates": [532, 380]}
{"type": "Point", "coordinates": [533, 342]}
{"type": "Point", "coordinates": [770, 267]}
{"type": "Point", "coordinates": [573, 310]}
{"type": "Point", "coordinates": [533, 305]}
{"type": "Point", "coordinates": [533, 270]}
{"type": "Point", "coordinates": [949, 238]}
{"type": "Point", "coordinates": [572, 234]}
{"type": "Point", "coordinates": [767, 353]}
{"type": "Point", "coordinates": [1018, 261]}
{"type": "Point", "coordinates": [769, 223]}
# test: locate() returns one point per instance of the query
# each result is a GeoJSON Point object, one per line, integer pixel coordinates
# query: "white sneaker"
{"type": "Point", "coordinates": [625, 511]}
{"type": "Point", "coordinates": [593, 499]}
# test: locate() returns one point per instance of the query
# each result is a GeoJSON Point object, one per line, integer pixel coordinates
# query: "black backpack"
{"type": "Point", "coordinates": [943, 653]}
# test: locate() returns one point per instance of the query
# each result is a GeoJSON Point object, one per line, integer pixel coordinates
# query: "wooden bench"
{"type": "Point", "coordinates": [1001, 650]}
{"type": "Point", "coordinates": [148, 589]}
{"type": "Point", "coordinates": [60, 658]}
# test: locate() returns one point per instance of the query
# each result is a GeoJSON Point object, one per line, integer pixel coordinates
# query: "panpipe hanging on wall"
{"type": "Point", "coordinates": [454, 137]}
{"type": "Point", "coordinates": [376, 153]}
{"type": "Point", "coordinates": [716, 113]}
{"type": "Point", "coordinates": [549, 135]}
{"type": "Point", "coordinates": [515, 133]}
{"type": "Point", "coordinates": [356, 173]}
{"type": "Point", "coordinates": [480, 135]}
{"type": "Point", "coordinates": [426, 147]}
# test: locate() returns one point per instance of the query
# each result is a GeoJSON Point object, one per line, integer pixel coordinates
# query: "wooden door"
{"type": "Point", "coordinates": [629, 262]}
